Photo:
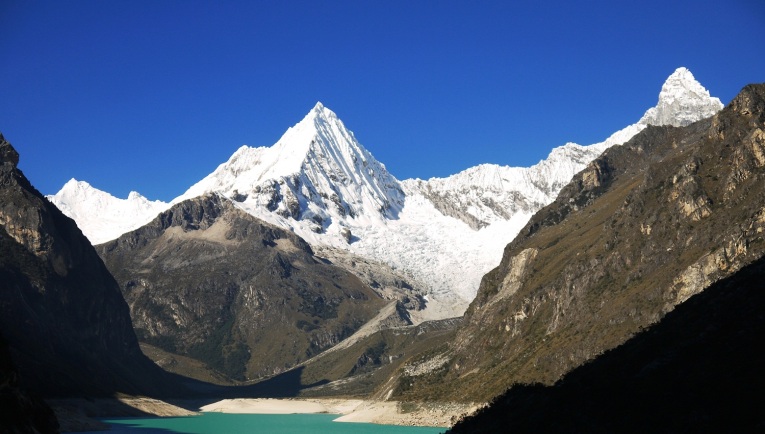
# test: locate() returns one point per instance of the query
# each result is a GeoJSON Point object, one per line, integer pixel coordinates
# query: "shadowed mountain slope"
{"type": "Point", "coordinates": [67, 325]}
{"type": "Point", "coordinates": [698, 370]}
{"type": "Point", "coordinates": [20, 411]}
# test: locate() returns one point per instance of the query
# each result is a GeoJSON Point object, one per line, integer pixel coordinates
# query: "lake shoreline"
{"type": "Point", "coordinates": [76, 415]}
{"type": "Point", "coordinates": [433, 414]}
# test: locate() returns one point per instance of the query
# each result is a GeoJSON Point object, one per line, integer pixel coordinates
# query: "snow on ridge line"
{"type": "Point", "coordinates": [682, 100]}
{"type": "Point", "coordinates": [102, 217]}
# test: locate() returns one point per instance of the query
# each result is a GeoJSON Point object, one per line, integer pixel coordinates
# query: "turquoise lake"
{"type": "Point", "coordinates": [222, 423]}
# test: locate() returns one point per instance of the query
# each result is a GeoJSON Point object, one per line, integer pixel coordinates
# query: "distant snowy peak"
{"type": "Point", "coordinates": [488, 193]}
{"type": "Point", "coordinates": [99, 215]}
{"type": "Point", "coordinates": [682, 101]}
{"type": "Point", "coordinates": [317, 173]}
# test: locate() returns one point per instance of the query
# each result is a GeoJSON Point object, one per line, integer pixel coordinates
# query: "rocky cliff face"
{"type": "Point", "coordinates": [66, 322]}
{"type": "Point", "coordinates": [637, 232]}
{"type": "Point", "coordinates": [207, 280]}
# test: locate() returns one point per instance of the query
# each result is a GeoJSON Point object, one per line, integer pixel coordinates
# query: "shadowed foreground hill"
{"type": "Point", "coordinates": [698, 370]}
{"type": "Point", "coordinates": [20, 411]}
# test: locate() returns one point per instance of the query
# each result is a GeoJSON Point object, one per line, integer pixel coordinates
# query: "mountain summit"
{"type": "Point", "coordinates": [490, 193]}
{"type": "Point", "coordinates": [78, 200]}
{"type": "Point", "coordinates": [317, 175]}
{"type": "Point", "coordinates": [682, 101]}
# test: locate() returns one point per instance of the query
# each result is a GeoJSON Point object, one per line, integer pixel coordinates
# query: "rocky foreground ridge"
{"type": "Point", "coordinates": [698, 370]}
{"type": "Point", "coordinates": [65, 330]}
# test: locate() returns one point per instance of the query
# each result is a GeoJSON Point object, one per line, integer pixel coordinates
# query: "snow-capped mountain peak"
{"type": "Point", "coordinates": [316, 176]}
{"type": "Point", "coordinates": [467, 196]}
{"type": "Point", "coordinates": [99, 215]}
{"type": "Point", "coordinates": [682, 101]}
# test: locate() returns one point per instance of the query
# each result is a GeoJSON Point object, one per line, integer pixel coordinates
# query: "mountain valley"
{"type": "Point", "coordinates": [306, 269]}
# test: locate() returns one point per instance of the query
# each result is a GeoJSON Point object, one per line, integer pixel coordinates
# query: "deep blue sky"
{"type": "Point", "coordinates": [153, 95]}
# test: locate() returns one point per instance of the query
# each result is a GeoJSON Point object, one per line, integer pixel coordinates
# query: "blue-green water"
{"type": "Point", "coordinates": [222, 423]}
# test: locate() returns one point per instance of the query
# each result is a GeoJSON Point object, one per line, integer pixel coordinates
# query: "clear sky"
{"type": "Point", "coordinates": [151, 95]}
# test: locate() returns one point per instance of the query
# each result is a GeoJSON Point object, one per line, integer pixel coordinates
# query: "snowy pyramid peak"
{"type": "Point", "coordinates": [682, 101]}
{"type": "Point", "coordinates": [681, 82]}
{"type": "Point", "coordinates": [319, 107]}
{"type": "Point", "coordinates": [318, 115]}
{"type": "Point", "coordinates": [316, 173]}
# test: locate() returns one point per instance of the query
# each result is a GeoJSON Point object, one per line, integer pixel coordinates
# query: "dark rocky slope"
{"type": "Point", "coordinates": [21, 411]}
{"type": "Point", "coordinates": [698, 370]}
{"type": "Point", "coordinates": [643, 228]}
{"type": "Point", "coordinates": [208, 281]}
{"type": "Point", "coordinates": [67, 325]}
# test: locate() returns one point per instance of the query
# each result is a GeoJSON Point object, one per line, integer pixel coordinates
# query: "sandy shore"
{"type": "Point", "coordinates": [282, 406]}
{"type": "Point", "coordinates": [351, 410]}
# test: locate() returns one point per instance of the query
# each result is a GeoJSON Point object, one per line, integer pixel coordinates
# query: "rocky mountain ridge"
{"type": "Point", "coordinates": [644, 227]}
{"type": "Point", "coordinates": [702, 357]}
